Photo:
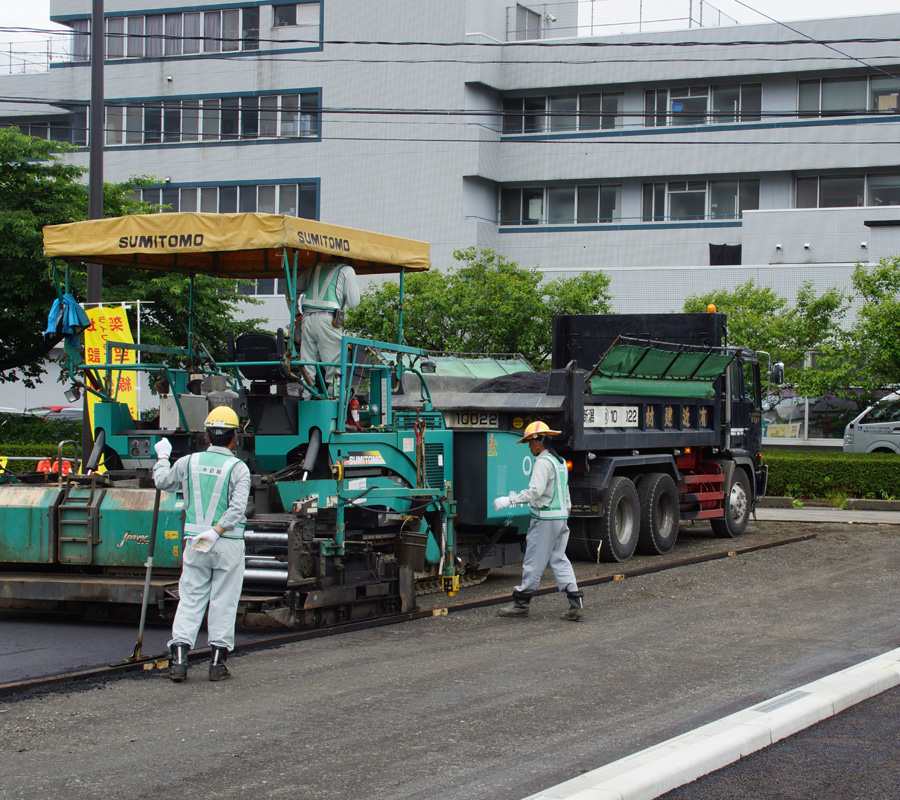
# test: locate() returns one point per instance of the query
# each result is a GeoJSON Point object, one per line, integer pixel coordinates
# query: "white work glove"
{"type": "Point", "coordinates": [501, 502]}
{"type": "Point", "coordinates": [163, 448]}
{"type": "Point", "coordinates": [204, 541]}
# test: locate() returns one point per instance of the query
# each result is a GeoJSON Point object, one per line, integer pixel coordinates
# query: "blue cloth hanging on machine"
{"type": "Point", "coordinates": [67, 318]}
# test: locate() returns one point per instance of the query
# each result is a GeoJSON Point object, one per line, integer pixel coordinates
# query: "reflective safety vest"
{"type": "Point", "coordinates": [558, 508]}
{"type": "Point", "coordinates": [208, 478]}
{"type": "Point", "coordinates": [321, 294]}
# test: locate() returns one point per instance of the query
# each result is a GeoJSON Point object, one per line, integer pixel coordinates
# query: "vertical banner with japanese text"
{"type": "Point", "coordinates": [110, 324]}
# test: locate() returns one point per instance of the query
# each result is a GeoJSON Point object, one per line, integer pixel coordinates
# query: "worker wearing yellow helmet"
{"type": "Point", "coordinates": [548, 497]}
{"type": "Point", "coordinates": [215, 486]}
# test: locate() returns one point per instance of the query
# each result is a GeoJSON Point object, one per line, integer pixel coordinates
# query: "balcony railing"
{"type": "Point", "coordinates": [569, 18]}
{"type": "Point", "coordinates": [23, 58]}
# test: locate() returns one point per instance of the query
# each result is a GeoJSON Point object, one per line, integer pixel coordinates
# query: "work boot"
{"type": "Point", "coordinates": [518, 607]}
{"type": "Point", "coordinates": [218, 670]}
{"type": "Point", "coordinates": [178, 661]}
{"type": "Point", "coordinates": [576, 607]}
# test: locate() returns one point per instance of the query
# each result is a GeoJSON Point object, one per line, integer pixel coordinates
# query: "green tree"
{"type": "Point", "coordinates": [865, 361]}
{"type": "Point", "coordinates": [38, 187]}
{"type": "Point", "coordinates": [759, 318]}
{"type": "Point", "coordinates": [486, 304]}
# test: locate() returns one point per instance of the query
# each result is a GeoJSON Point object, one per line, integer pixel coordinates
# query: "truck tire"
{"type": "Point", "coordinates": [660, 514]}
{"type": "Point", "coordinates": [620, 523]}
{"type": "Point", "coordinates": [737, 507]}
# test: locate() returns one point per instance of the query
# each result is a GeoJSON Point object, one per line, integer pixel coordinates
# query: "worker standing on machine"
{"type": "Point", "coordinates": [329, 290]}
{"type": "Point", "coordinates": [548, 496]}
{"type": "Point", "coordinates": [215, 485]}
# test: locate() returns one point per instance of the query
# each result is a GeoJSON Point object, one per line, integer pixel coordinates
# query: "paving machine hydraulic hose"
{"type": "Point", "coordinates": [312, 452]}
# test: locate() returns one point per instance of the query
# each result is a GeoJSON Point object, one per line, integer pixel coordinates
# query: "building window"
{"type": "Point", "coordinates": [699, 199]}
{"type": "Point", "coordinates": [523, 114]}
{"type": "Point", "coordinates": [729, 199]}
{"type": "Point", "coordinates": [737, 103]}
{"type": "Point", "coordinates": [214, 119]}
{"type": "Point", "coordinates": [883, 190]}
{"type": "Point", "coordinates": [564, 205]}
{"type": "Point", "coordinates": [687, 199]}
{"type": "Point", "coordinates": [560, 113]}
{"type": "Point", "coordinates": [528, 24]}
{"type": "Point", "coordinates": [250, 29]}
{"type": "Point", "coordinates": [832, 97]}
{"type": "Point", "coordinates": [691, 105]}
{"type": "Point", "coordinates": [885, 93]}
{"type": "Point", "coordinates": [191, 32]}
{"type": "Point", "coordinates": [836, 191]}
{"type": "Point", "coordinates": [135, 43]}
{"type": "Point", "coordinates": [285, 15]}
{"type": "Point", "coordinates": [295, 199]}
{"type": "Point", "coordinates": [154, 29]}
{"type": "Point", "coordinates": [115, 37]}
{"type": "Point", "coordinates": [174, 39]}
{"type": "Point", "coordinates": [134, 124]}
{"type": "Point", "coordinates": [688, 106]}
{"type": "Point", "coordinates": [81, 39]}
{"type": "Point", "coordinates": [655, 104]}
{"type": "Point", "coordinates": [600, 110]}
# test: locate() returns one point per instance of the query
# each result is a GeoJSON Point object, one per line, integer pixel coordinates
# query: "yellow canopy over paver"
{"type": "Point", "coordinates": [229, 245]}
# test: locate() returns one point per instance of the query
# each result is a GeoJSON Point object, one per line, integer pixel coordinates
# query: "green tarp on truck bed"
{"type": "Point", "coordinates": [643, 368]}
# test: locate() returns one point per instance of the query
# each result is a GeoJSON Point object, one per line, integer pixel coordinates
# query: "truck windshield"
{"type": "Point", "coordinates": [883, 412]}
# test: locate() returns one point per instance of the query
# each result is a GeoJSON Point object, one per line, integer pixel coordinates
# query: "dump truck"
{"type": "Point", "coordinates": [660, 422]}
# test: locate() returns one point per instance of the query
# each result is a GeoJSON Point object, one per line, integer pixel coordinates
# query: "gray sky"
{"type": "Point", "coordinates": [35, 13]}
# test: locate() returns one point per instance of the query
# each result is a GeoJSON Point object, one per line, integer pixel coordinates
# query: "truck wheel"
{"type": "Point", "coordinates": [618, 530]}
{"type": "Point", "coordinates": [737, 508]}
{"type": "Point", "coordinates": [660, 514]}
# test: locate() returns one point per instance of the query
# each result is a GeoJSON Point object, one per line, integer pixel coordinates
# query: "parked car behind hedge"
{"type": "Point", "coordinates": [877, 429]}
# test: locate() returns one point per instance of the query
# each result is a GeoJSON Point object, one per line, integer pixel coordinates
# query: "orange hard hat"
{"type": "Point", "coordinates": [537, 429]}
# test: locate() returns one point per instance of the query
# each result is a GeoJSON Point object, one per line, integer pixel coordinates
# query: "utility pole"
{"type": "Point", "coordinates": [95, 178]}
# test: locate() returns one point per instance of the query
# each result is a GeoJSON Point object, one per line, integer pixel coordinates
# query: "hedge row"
{"type": "Point", "coordinates": [792, 473]}
{"type": "Point", "coordinates": [26, 429]}
{"type": "Point", "coordinates": [22, 435]}
{"type": "Point", "coordinates": [800, 473]}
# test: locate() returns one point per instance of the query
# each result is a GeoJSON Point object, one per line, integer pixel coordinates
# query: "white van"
{"type": "Point", "coordinates": [877, 429]}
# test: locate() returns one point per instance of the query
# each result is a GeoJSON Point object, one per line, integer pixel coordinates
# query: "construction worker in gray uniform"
{"type": "Point", "coordinates": [548, 496]}
{"type": "Point", "coordinates": [215, 486]}
{"type": "Point", "coordinates": [329, 290]}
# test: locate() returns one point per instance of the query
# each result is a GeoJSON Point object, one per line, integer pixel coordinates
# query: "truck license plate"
{"type": "Point", "coordinates": [611, 416]}
{"type": "Point", "coordinates": [471, 419]}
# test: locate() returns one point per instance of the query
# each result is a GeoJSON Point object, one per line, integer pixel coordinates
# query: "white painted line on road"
{"type": "Point", "coordinates": [663, 767]}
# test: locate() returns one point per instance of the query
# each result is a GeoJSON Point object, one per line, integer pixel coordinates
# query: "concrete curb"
{"type": "Point", "coordinates": [851, 504]}
{"type": "Point", "coordinates": [663, 767]}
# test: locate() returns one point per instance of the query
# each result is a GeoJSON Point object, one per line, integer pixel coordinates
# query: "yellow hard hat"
{"type": "Point", "coordinates": [222, 417]}
{"type": "Point", "coordinates": [537, 429]}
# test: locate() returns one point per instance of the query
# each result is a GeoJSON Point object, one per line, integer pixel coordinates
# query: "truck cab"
{"type": "Point", "coordinates": [877, 429]}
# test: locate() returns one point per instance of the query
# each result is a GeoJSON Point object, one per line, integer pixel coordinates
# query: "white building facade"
{"type": "Point", "coordinates": [676, 162]}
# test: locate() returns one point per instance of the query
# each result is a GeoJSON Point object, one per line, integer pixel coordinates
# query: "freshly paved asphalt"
{"type": "Point", "coordinates": [833, 739]}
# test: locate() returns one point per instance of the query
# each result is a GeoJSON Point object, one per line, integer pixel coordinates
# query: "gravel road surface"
{"type": "Point", "coordinates": [472, 705]}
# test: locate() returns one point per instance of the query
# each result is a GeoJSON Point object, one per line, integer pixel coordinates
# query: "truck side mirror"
{"type": "Point", "coordinates": [778, 373]}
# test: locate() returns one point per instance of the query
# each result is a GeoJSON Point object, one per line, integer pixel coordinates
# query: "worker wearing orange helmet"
{"type": "Point", "coordinates": [548, 496]}
{"type": "Point", "coordinates": [215, 486]}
